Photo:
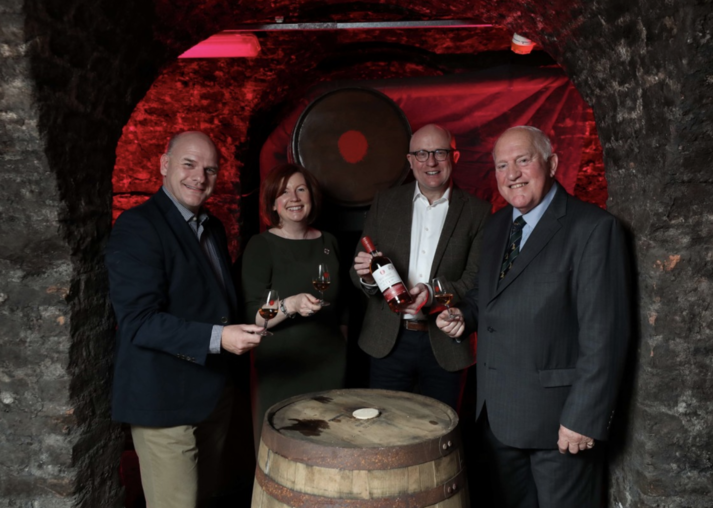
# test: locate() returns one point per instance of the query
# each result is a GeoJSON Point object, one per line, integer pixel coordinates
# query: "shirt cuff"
{"type": "Point", "coordinates": [215, 336]}
{"type": "Point", "coordinates": [430, 295]}
{"type": "Point", "coordinates": [371, 289]}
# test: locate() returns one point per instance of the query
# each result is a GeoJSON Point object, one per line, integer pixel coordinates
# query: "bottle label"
{"type": "Point", "coordinates": [386, 276]}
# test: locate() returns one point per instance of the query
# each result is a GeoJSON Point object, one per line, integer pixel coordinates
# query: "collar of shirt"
{"type": "Point", "coordinates": [185, 212]}
{"type": "Point", "coordinates": [533, 216]}
{"type": "Point", "coordinates": [443, 199]}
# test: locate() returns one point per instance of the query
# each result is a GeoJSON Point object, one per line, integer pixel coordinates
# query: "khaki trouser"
{"type": "Point", "coordinates": [180, 466]}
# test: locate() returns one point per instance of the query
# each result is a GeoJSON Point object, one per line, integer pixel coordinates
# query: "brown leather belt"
{"type": "Point", "coordinates": [415, 326]}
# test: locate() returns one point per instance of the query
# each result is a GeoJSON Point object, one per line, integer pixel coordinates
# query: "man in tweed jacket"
{"type": "Point", "coordinates": [428, 229]}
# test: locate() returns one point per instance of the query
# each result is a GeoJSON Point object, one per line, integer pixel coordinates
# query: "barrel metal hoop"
{"type": "Point", "coordinates": [295, 499]}
{"type": "Point", "coordinates": [368, 459]}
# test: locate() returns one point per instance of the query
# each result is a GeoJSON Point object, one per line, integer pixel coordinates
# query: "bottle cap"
{"type": "Point", "coordinates": [368, 244]}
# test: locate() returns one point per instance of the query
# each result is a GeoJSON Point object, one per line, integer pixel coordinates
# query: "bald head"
{"type": "Point", "coordinates": [187, 136]}
{"type": "Point", "coordinates": [432, 131]}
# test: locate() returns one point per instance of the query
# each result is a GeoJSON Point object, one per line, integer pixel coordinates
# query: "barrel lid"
{"type": "Point", "coordinates": [354, 141]}
{"type": "Point", "coordinates": [320, 429]}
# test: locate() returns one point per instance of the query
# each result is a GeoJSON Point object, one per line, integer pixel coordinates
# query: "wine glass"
{"type": "Point", "coordinates": [268, 309]}
{"type": "Point", "coordinates": [321, 282]}
{"type": "Point", "coordinates": [441, 295]}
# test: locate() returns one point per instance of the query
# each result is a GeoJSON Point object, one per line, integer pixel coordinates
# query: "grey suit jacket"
{"type": "Point", "coordinates": [552, 336]}
{"type": "Point", "coordinates": [388, 223]}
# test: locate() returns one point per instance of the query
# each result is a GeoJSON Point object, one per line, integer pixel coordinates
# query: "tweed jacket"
{"type": "Point", "coordinates": [388, 223]}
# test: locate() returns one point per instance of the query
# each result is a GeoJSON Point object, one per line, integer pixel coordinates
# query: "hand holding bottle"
{"type": "Point", "coordinates": [387, 278]}
{"type": "Point", "coordinates": [419, 293]}
{"type": "Point", "coordinates": [362, 267]}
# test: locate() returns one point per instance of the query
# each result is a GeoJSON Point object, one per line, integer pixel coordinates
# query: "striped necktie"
{"type": "Point", "coordinates": [513, 249]}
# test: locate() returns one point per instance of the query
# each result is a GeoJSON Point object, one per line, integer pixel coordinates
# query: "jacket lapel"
{"type": "Point", "coordinates": [401, 217]}
{"type": "Point", "coordinates": [546, 228]}
{"type": "Point", "coordinates": [187, 238]}
{"type": "Point", "coordinates": [495, 244]}
{"type": "Point", "coordinates": [455, 206]}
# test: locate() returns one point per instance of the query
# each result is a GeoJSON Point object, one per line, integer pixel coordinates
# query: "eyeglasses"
{"type": "Point", "coordinates": [422, 155]}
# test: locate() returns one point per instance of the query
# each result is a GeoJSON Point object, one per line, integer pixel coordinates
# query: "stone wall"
{"type": "Point", "coordinates": [70, 77]}
{"type": "Point", "coordinates": [646, 71]}
{"type": "Point", "coordinates": [37, 421]}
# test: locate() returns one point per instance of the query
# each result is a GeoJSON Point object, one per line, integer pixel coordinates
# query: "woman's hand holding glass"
{"type": "Point", "coordinates": [303, 304]}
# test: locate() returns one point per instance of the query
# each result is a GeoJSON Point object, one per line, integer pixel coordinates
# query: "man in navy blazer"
{"type": "Point", "coordinates": [176, 308]}
{"type": "Point", "coordinates": [551, 306]}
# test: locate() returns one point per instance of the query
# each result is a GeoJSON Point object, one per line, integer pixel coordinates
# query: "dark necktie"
{"type": "Point", "coordinates": [208, 247]}
{"type": "Point", "coordinates": [513, 248]}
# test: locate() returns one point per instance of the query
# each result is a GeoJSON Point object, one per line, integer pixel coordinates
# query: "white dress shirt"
{"type": "Point", "coordinates": [426, 226]}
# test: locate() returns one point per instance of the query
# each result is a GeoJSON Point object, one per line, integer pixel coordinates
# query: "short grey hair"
{"type": "Point", "coordinates": [540, 141]}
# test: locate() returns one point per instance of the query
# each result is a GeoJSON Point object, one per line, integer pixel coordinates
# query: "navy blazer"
{"type": "Point", "coordinates": [553, 335]}
{"type": "Point", "coordinates": [166, 299]}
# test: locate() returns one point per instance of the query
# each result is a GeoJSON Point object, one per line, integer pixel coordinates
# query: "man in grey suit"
{"type": "Point", "coordinates": [551, 306]}
{"type": "Point", "coordinates": [430, 228]}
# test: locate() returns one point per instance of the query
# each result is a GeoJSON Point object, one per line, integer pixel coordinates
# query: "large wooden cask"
{"type": "Point", "coordinates": [315, 453]}
{"type": "Point", "coordinates": [355, 141]}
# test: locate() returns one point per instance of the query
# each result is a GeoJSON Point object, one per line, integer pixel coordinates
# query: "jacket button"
{"type": "Point", "coordinates": [491, 329]}
{"type": "Point", "coordinates": [224, 320]}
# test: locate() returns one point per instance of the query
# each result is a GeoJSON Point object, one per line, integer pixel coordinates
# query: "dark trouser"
{"type": "Point", "coordinates": [411, 366]}
{"type": "Point", "coordinates": [531, 478]}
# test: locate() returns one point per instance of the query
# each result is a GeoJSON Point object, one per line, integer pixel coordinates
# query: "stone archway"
{"type": "Point", "coordinates": [72, 74]}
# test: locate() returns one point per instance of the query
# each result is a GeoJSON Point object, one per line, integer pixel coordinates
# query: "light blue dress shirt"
{"type": "Point", "coordinates": [533, 216]}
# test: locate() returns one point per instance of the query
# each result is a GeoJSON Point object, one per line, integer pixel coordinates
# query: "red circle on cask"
{"type": "Point", "coordinates": [353, 146]}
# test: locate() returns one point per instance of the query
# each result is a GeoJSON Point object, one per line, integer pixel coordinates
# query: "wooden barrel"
{"type": "Point", "coordinates": [315, 453]}
{"type": "Point", "coordinates": [354, 140]}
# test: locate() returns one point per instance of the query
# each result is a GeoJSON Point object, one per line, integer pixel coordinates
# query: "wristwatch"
{"type": "Point", "coordinates": [284, 310]}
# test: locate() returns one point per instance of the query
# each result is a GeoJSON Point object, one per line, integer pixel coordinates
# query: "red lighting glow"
{"type": "Point", "coordinates": [225, 45]}
{"type": "Point", "coordinates": [353, 146]}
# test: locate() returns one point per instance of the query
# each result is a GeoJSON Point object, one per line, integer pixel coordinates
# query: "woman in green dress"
{"type": "Point", "coordinates": [307, 351]}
